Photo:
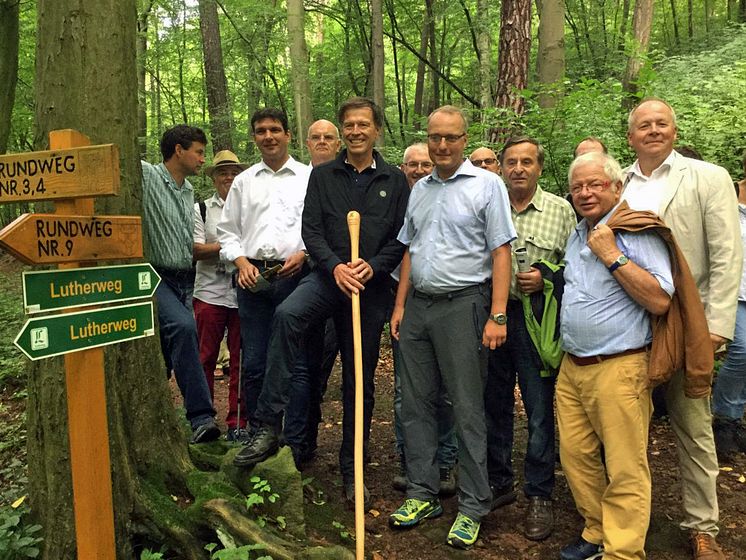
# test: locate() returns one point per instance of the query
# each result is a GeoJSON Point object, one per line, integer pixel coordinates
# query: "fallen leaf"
{"type": "Point", "coordinates": [726, 469]}
{"type": "Point", "coordinates": [742, 479]}
{"type": "Point", "coordinates": [18, 502]}
{"type": "Point", "coordinates": [374, 512]}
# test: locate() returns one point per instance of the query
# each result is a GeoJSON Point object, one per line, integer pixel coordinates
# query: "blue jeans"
{"type": "Point", "coordinates": [316, 299]}
{"type": "Point", "coordinates": [256, 312]}
{"type": "Point", "coordinates": [519, 357]}
{"type": "Point", "coordinates": [179, 344]}
{"type": "Point", "coordinates": [729, 395]}
{"type": "Point", "coordinates": [447, 443]}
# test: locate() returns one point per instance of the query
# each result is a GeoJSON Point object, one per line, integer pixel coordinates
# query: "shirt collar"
{"type": "Point", "coordinates": [215, 200]}
{"type": "Point", "coordinates": [666, 164]}
{"type": "Point", "coordinates": [169, 180]}
{"type": "Point", "coordinates": [287, 167]}
{"type": "Point", "coordinates": [537, 201]}
{"type": "Point", "coordinates": [466, 169]}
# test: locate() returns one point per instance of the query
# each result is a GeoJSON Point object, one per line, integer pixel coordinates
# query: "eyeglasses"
{"type": "Point", "coordinates": [426, 165]}
{"type": "Point", "coordinates": [594, 187]}
{"type": "Point", "coordinates": [486, 161]}
{"type": "Point", "coordinates": [449, 138]}
{"type": "Point", "coordinates": [318, 138]}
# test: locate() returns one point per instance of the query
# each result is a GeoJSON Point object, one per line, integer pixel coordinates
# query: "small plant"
{"type": "Point", "coordinates": [148, 554]}
{"type": "Point", "coordinates": [262, 491]}
{"type": "Point", "coordinates": [343, 532]}
{"type": "Point", "coordinates": [18, 539]}
{"type": "Point", "coordinates": [236, 553]}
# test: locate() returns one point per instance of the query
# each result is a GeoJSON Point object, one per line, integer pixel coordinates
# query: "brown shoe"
{"type": "Point", "coordinates": [539, 519]}
{"type": "Point", "coordinates": [704, 547]}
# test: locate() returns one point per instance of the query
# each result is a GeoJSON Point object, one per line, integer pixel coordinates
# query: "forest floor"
{"type": "Point", "coordinates": [501, 537]}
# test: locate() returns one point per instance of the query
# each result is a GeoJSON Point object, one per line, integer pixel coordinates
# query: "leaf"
{"type": "Point", "coordinates": [18, 502]}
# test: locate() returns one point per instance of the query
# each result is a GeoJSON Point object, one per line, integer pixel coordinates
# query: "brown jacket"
{"type": "Point", "coordinates": [681, 338]}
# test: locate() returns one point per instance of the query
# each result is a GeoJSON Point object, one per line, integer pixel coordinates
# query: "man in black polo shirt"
{"type": "Point", "coordinates": [358, 179]}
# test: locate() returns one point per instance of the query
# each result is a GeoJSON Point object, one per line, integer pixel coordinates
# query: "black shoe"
{"type": "Point", "coordinates": [235, 435]}
{"type": "Point", "coordinates": [262, 445]}
{"type": "Point", "coordinates": [448, 483]}
{"type": "Point", "coordinates": [582, 550]}
{"type": "Point", "coordinates": [208, 431]}
{"type": "Point", "coordinates": [502, 496]}
{"type": "Point", "coordinates": [740, 436]}
{"type": "Point", "coordinates": [724, 430]}
{"type": "Point", "coordinates": [349, 496]}
{"type": "Point", "coordinates": [539, 519]}
{"type": "Point", "coordinates": [400, 480]}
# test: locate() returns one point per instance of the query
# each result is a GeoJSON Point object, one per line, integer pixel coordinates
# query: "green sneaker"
{"type": "Point", "coordinates": [464, 532]}
{"type": "Point", "coordinates": [412, 511]}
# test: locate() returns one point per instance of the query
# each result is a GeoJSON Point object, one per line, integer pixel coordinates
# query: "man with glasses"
{"type": "Point", "coordinates": [543, 223]}
{"type": "Point", "coordinates": [416, 163]}
{"type": "Point", "coordinates": [322, 142]}
{"type": "Point", "coordinates": [613, 284]}
{"type": "Point", "coordinates": [448, 313]}
{"type": "Point", "coordinates": [358, 179]}
{"type": "Point", "coordinates": [486, 159]}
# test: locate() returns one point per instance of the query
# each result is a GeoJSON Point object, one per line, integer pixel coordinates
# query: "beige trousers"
{"type": "Point", "coordinates": [607, 403]}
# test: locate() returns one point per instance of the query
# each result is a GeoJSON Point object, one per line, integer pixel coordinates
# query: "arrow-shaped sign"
{"type": "Point", "coordinates": [49, 290]}
{"type": "Point", "coordinates": [44, 337]}
{"type": "Point", "coordinates": [55, 238]}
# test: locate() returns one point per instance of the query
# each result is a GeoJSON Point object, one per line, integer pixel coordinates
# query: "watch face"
{"type": "Point", "coordinates": [623, 259]}
{"type": "Point", "coordinates": [500, 318]}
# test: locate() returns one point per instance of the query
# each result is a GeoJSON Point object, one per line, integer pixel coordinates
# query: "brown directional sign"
{"type": "Point", "coordinates": [55, 238]}
{"type": "Point", "coordinates": [58, 174]}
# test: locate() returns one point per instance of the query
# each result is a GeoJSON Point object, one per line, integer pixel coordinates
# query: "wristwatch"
{"type": "Point", "coordinates": [621, 260]}
{"type": "Point", "coordinates": [499, 318]}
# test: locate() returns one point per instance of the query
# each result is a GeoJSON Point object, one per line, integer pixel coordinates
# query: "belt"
{"type": "Point", "coordinates": [590, 360]}
{"type": "Point", "coordinates": [175, 273]}
{"type": "Point", "coordinates": [263, 265]}
{"type": "Point", "coordinates": [471, 290]}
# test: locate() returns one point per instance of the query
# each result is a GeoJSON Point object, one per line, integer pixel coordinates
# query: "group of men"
{"type": "Point", "coordinates": [465, 310]}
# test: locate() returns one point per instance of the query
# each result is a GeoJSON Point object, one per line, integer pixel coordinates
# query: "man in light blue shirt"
{"type": "Point", "coordinates": [454, 282]}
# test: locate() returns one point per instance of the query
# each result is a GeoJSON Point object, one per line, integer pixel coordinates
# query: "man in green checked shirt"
{"type": "Point", "coordinates": [543, 223]}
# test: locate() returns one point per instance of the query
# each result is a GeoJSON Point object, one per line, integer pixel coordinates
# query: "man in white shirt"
{"type": "Point", "coordinates": [215, 307]}
{"type": "Point", "coordinates": [259, 233]}
{"type": "Point", "coordinates": [697, 201]}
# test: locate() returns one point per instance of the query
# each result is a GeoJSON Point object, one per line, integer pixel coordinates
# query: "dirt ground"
{"type": "Point", "coordinates": [501, 537]}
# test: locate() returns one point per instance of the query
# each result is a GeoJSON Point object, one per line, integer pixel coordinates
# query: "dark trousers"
{"type": "Point", "coordinates": [518, 358]}
{"type": "Point", "coordinates": [178, 334]}
{"type": "Point", "coordinates": [257, 313]}
{"type": "Point", "coordinates": [315, 299]}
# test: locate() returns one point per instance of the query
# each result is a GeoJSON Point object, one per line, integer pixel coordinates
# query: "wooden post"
{"type": "Point", "coordinates": [86, 411]}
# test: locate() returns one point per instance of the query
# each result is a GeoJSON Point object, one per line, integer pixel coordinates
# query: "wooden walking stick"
{"type": "Point", "coordinates": [353, 224]}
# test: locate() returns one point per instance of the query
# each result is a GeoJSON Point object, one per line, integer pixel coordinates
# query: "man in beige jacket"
{"type": "Point", "coordinates": [697, 201]}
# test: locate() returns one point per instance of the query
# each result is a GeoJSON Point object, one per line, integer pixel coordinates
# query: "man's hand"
{"type": "Point", "coordinates": [530, 282]}
{"type": "Point", "coordinates": [717, 341]}
{"type": "Point", "coordinates": [363, 271]}
{"type": "Point", "coordinates": [494, 335]}
{"type": "Point", "coordinates": [396, 316]}
{"type": "Point", "coordinates": [347, 280]}
{"type": "Point", "coordinates": [247, 273]}
{"type": "Point", "coordinates": [602, 242]}
{"type": "Point", "coordinates": [293, 264]}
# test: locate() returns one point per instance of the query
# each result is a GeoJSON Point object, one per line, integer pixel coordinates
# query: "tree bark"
{"type": "Point", "coordinates": [484, 46]}
{"type": "Point", "coordinates": [299, 63]}
{"type": "Point", "coordinates": [623, 25]}
{"type": "Point", "coordinates": [674, 18]}
{"type": "Point", "coordinates": [142, 98]}
{"type": "Point", "coordinates": [513, 58]}
{"type": "Point", "coordinates": [9, 23]}
{"type": "Point", "coordinates": [434, 100]}
{"type": "Point", "coordinates": [221, 121]}
{"type": "Point", "coordinates": [550, 60]}
{"type": "Point", "coordinates": [376, 45]}
{"type": "Point", "coordinates": [419, 87]}
{"type": "Point", "coordinates": [641, 23]}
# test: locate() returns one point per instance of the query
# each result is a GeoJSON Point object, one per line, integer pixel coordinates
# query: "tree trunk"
{"type": "Point", "coordinates": [221, 122]}
{"type": "Point", "coordinates": [376, 45]}
{"type": "Point", "coordinates": [434, 100]}
{"type": "Point", "coordinates": [512, 71]}
{"type": "Point", "coordinates": [142, 97]}
{"type": "Point", "coordinates": [419, 84]}
{"type": "Point", "coordinates": [690, 19]}
{"type": "Point", "coordinates": [676, 36]}
{"type": "Point", "coordinates": [550, 60]}
{"type": "Point", "coordinates": [484, 46]}
{"type": "Point", "coordinates": [9, 22]}
{"type": "Point", "coordinates": [623, 25]}
{"type": "Point", "coordinates": [299, 70]}
{"type": "Point", "coordinates": [641, 24]}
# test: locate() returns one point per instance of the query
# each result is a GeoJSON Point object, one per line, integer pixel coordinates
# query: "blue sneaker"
{"type": "Point", "coordinates": [582, 550]}
{"type": "Point", "coordinates": [412, 511]}
{"type": "Point", "coordinates": [464, 532]}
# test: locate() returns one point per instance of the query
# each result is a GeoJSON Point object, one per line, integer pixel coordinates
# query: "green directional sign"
{"type": "Point", "coordinates": [44, 337]}
{"type": "Point", "coordinates": [78, 287]}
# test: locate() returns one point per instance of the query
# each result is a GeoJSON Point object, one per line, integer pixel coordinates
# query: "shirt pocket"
{"type": "Point", "coordinates": [541, 247]}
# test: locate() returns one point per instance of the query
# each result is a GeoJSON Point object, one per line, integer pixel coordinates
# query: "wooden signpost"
{"type": "Point", "coordinates": [71, 173]}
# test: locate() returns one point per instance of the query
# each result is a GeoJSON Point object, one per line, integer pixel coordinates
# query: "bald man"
{"type": "Point", "coordinates": [486, 159]}
{"type": "Point", "coordinates": [322, 141]}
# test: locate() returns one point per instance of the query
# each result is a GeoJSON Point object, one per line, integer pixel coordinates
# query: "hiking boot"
{"type": "Point", "coordinates": [412, 511]}
{"type": "Point", "coordinates": [582, 550]}
{"type": "Point", "coordinates": [262, 445]}
{"type": "Point", "coordinates": [724, 430]}
{"type": "Point", "coordinates": [349, 496]}
{"type": "Point", "coordinates": [464, 532]}
{"type": "Point", "coordinates": [539, 519]}
{"type": "Point", "coordinates": [740, 436]}
{"type": "Point", "coordinates": [704, 547]}
{"type": "Point", "coordinates": [502, 495]}
{"type": "Point", "coordinates": [400, 480]}
{"type": "Point", "coordinates": [208, 431]}
{"type": "Point", "coordinates": [447, 480]}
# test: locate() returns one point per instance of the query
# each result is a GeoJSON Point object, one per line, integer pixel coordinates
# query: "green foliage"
{"type": "Point", "coordinates": [148, 554]}
{"type": "Point", "coordinates": [262, 491]}
{"type": "Point", "coordinates": [344, 533]}
{"type": "Point", "coordinates": [18, 538]}
{"type": "Point", "coordinates": [237, 553]}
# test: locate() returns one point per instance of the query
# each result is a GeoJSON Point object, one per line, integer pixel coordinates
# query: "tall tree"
{"type": "Point", "coordinates": [484, 52]}
{"type": "Point", "coordinates": [9, 21]}
{"type": "Point", "coordinates": [550, 59]}
{"type": "Point", "coordinates": [221, 121]}
{"type": "Point", "coordinates": [512, 65]}
{"type": "Point", "coordinates": [641, 23]}
{"type": "Point", "coordinates": [376, 47]}
{"type": "Point", "coordinates": [143, 17]}
{"type": "Point", "coordinates": [299, 68]}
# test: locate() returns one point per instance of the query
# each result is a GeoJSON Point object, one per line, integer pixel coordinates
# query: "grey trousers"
{"type": "Point", "coordinates": [441, 341]}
